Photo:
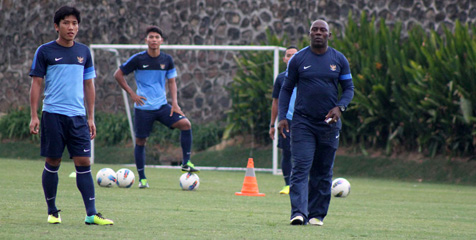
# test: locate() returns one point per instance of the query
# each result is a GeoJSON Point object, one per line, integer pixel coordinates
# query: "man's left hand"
{"type": "Point", "coordinates": [334, 114]}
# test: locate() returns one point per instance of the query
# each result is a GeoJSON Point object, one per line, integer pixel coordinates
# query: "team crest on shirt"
{"type": "Point", "coordinates": [162, 66]}
{"type": "Point", "coordinates": [80, 59]}
{"type": "Point", "coordinates": [333, 67]}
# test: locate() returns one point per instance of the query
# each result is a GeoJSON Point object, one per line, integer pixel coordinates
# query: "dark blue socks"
{"type": "Point", "coordinates": [139, 155]}
{"type": "Point", "coordinates": [85, 184]}
{"type": "Point", "coordinates": [49, 180]}
{"type": "Point", "coordinates": [186, 143]}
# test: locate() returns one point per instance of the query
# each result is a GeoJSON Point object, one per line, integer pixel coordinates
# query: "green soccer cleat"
{"type": "Point", "coordinates": [54, 218]}
{"type": "Point", "coordinates": [143, 183]}
{"type": "Point", "coordinates": [189, 167]}
{"type": "Point", "coordinates": [97, 219]}
{"type": "Point", "coordinates": [315, 222]}
{"type": "Point", "coordinates": [285, 190]}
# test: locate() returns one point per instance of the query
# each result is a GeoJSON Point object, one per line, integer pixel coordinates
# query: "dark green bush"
{"type": "Point", "coordinates": [113, 129]}
{"type": "Point", "coordinates": [15, 125]}
{"type": "Point", "coordinates": [204, 135]}
{"type": "Point", "coordinates": [413, 92]}
{"type": "Point", "coordinates": [251, 91]}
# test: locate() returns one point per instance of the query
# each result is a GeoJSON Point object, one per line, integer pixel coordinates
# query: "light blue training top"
{"type": "Point", "coordinates": [151, 74]}
{"type": "Point", "coordinates": [64, 70]}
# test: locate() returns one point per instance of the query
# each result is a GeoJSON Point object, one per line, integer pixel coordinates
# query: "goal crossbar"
{"type": "Point", "coordinates": [114, 47]}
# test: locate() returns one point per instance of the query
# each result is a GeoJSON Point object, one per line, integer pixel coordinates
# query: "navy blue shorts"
{"type": "Point", "coordinates": [58, 131]}
{"type": "Point", "coordinates": [144, 119]}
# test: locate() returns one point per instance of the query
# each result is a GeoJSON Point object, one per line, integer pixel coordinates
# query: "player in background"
{"type": "Point", "coordinates": [316, 70]}
{"type": "Point", "coordinates": [67, 69]}
{"type": "Point", "coordinates": [153, 69]}
{"type": "Point", "coordinates": [283, 143]}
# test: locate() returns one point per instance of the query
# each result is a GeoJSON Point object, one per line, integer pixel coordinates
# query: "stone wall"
{"type": "Point", "coordinates": [203, 75]}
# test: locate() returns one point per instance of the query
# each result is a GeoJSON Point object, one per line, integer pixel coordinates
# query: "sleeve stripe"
{"type": "Point", "coordinates": [34, 59]}
{"type": "Point", "coordinates": [89, 73]}
{"type": "Point", "coordinates": [171, 73]}
{"type": "Point", "coordinates": [345, 77]}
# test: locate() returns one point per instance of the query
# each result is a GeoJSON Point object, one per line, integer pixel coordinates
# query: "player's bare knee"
{"type": "Point", "coordinates": [53, 161]}
{"type": "Point", "coordinates": [82, 161]}
{"type": "Point", "coordinates": [183, 124]}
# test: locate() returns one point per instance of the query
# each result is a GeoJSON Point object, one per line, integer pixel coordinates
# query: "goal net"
{"type": "Point", "coordinates": [118, 53]}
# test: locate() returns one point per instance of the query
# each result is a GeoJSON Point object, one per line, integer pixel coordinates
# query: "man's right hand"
{"type": "Point", "coordinates": [271, 132]}
{"type": "Point", "coordinates": [139, 100]}
{"type": "Point", "coordinates": [34, 125]}
{"type": "Point", "coordinates": [283, 126]}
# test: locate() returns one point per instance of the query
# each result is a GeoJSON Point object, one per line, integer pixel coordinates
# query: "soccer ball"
{"type": "Point", "coordinates": [125, 178]}
{"type": "Point", "coordinates": [189, 181]}
{"type": "Point", "coordinates": [340, 187]}
{"type": "Point", "coordinates": [106, 177]}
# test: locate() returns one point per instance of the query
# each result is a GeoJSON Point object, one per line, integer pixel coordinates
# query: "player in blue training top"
{"type": "Point", "coordinates": [316, 70]}
{"type": "Point", "coordinates": [68, 72]}
{"type": "Point", "coordinates": [152, 70]}
{"type": "Point", "coordinates": [283, 143]}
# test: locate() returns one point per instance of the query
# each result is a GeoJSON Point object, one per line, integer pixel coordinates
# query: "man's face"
{"type": "Point", "coordinates": [288, 54]}
{"type": "Point", "coordinates": [68, 28]}
{"type": "Point", "coordinates": [153, 40]}
{"type": "Point", "coordinates": [319, 34]}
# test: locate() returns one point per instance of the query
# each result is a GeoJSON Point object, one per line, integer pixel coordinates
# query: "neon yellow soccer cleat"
{"type": "Point", "coordinates": [143, 183]}
{"type": "Point", "coordinates": [315, 222]}
{"type": "Point", "coordinates": [285, 190]}
{"type": "Point", "coordinates": [189, 167]}
{"type": "Point", "coordinates": [97, 219]}
{"type": "Point", "coordinates": [54, 218]}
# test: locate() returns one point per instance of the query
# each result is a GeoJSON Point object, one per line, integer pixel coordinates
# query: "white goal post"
{"type": "Point", "coordinates": [115, 47]}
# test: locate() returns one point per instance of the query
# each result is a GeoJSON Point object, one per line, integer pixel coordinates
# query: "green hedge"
{"type": "Point", "coordinates": [251, 92]}
{"type": "Point", "coordinates": [412, 92]}
{"type": "Point", "coordinates": [15, 125]}
{"type": "Point", "coordinates": [112, 130]}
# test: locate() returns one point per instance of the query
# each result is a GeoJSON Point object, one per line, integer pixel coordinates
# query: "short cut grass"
{"type": "Point", "coordinates": [375, 209]}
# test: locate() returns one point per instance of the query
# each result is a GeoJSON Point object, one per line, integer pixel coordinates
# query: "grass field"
{"type": "Point", "coordinates": [434, 170]}
{"type": "Point", "coordinates": [375, 209]}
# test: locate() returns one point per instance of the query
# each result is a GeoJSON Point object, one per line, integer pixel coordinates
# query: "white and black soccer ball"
{"type": "Point", "coordinates": [125, 178]}
{"type": "Point", "coordinates": [340, 187]}
{"type": "Point", "coordinates": [189, 181]}
{"type": "Point", "coordinates": [106, 177]}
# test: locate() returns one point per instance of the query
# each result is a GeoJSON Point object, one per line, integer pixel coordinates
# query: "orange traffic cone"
{"type": "Point", "coordinates": [250, 185]}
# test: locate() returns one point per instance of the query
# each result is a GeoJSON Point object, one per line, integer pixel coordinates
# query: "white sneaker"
{"type": "Point", "coordinates": [297, 220]}
{"type": "Point", "coordinates": [315, 222]}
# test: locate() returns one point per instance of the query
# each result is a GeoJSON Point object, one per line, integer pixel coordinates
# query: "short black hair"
{"type": "Point", "coordinates": [292, 47]}
{"type": "Point", "coordinates": [64, 11]}
{"type": "Point", "coordinates": [154, 29]}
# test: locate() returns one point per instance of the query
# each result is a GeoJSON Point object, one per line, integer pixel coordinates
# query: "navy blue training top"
{"type": "Point", "coordinates": [278, 84]}
{"type": "Point", "coordinates": [316, 77]}
{"type": "Point", "coordinates": [277, 89]}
